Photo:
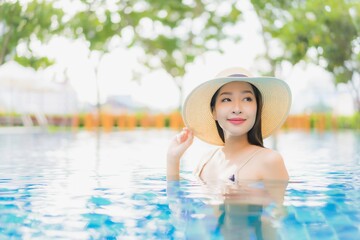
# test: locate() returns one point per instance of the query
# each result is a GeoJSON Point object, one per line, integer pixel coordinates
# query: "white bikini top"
{"type": "Point", "coordinates": [212, 154]}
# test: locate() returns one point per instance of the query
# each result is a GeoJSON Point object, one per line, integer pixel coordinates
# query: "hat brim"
{"type": "Point", "coordinates": [198, 117]}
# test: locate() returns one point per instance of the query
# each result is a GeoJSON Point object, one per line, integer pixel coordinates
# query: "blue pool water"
{"type": "Point", "coordinates": [80, 185]}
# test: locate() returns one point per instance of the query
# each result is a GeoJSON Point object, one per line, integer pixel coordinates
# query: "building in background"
{"type": "Point", "coordinates": [120, 104]}
{"type": "Point", "coordinates": [25, 92]}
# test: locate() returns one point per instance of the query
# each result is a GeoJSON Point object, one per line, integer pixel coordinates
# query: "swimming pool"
{"type": "Point", "coordinates": [81, 185]}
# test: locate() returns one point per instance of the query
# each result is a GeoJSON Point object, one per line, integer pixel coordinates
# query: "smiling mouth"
{"type": "Point", "coordinates": [236, 120]}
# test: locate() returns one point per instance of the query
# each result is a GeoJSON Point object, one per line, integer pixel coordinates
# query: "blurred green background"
{"type": "Point", "coordinates": [80, 62]}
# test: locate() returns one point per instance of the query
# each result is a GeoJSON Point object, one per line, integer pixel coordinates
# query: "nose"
{"type": "Point", "coordinates": [237, 108]}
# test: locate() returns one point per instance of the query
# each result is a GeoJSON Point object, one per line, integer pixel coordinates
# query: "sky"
{"type": "Point", "coordinates": [157, 90]}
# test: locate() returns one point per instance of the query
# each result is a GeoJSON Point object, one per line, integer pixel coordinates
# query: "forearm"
{"type": "Point", "coordinates": [173, 168]}
{"type": "Point", "coordinates": [178, 146]}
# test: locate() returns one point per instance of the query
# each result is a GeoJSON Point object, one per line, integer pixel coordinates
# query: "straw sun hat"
{"type": "Point", "coordinates": [197, 113]}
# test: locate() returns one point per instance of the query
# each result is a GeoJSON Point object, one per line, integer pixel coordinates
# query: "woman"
{"type": "Point", "coordinates": [235, 111]}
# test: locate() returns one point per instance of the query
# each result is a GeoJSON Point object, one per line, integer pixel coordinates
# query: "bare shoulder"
{"type": "Point", "coordinates": [273, 165]}
{"type": "Point", "coordinates": [270, 157]}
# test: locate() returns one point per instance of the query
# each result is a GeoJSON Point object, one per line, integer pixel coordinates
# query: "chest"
{"type": "Point", "coordinates": [219, 169]}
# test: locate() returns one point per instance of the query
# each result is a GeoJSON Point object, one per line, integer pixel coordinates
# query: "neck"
{"type": "Point", "coordinates": [236, 144]}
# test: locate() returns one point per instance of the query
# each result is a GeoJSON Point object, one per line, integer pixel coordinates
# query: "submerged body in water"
{"type": "Point", "coordinates": [240, 210]}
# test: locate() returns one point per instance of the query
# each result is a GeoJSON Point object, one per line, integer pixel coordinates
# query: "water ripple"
{"type": "Point", "coordinates": [88, 186]}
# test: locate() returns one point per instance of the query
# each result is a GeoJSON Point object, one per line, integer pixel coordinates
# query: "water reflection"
{"type": "Point", "coordinates": [245, 210]}
{"type": "Point", "coordinates": [64, 185]}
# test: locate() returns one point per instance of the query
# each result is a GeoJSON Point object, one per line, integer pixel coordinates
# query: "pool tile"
{"type": "Point", "coordinates": [309, 215]}
{"type": "Point", "coordinates": [320, 231]}
{"type": "Point", "coordinates": [348, 232]}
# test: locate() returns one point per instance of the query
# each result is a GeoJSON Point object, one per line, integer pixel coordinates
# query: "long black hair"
{"type": "Point", "coordinates": [255, 134]}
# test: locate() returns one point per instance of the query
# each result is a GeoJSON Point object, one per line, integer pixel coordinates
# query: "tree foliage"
{"type": "Point", "coordinates": [24, 23]}
{"type": "Point", "coordinates": [323, 32]}
{"type": "Point", "coordinates": [171, 33]}
{"type": "Point", "coordinates": [183, 30]}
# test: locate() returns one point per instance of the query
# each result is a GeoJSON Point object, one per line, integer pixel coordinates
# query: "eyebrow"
{"type": "Point", "coordinates": [230, 93]}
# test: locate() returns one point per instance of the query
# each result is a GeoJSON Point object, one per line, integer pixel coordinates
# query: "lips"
{"type": "Point", "coordinates": [236, 121]}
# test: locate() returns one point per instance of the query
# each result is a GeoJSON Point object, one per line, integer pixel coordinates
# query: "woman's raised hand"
{"type": "Point", "coordinates": [178, 146]}
{"type": "Point", "coordinates": [180, 143]}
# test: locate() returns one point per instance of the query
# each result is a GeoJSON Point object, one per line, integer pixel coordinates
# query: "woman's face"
{"type": "Point", "coordinates": [235, 109]}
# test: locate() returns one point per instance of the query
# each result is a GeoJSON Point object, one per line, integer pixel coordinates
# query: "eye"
{"type": "Point", "coordinates": [248, 99]}
{"type": "Point", "coordinates": [226, 100]}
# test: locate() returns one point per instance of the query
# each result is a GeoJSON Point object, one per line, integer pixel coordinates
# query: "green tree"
{"type": "Point", "coordinates": [22, 24]}
{"type": "Point", "coordinates": [182, 31]}
{"type": "Point", "coordinates": [171, 33]}
{"type": "Point", "coordinates": [267, 13]}
{"type": "Point", "coordinates": [97, 24]}
{"type": "Point", "coordinates": [179, 30]}
{"type": "Point", "coordinates": [323, 32]}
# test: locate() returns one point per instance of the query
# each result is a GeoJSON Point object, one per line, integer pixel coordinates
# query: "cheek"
{"type": "Point", "coordinates": [251, 112]}
{"type": "Point", "coordinates": [218, 112]}
{"type": "Point", "coordinates": [251, 109]}
{"type": "Point", "coordinates": [254, 111]}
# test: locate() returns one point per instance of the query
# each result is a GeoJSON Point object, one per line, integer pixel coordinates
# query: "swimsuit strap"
{"type": "Point", "coordinates": [204, 162]}
{"type": "Point", "coordinates": [251, 157]}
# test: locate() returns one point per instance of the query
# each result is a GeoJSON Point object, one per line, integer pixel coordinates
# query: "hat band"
{"type": "Point", "coordinates": [237, 75]}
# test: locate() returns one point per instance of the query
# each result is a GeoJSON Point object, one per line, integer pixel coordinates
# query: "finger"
{"type": "Point", "coordinates": [190, 137]}
{"type": "Point", "coordinates": [184, 136]}
{"type": "Point", "coordinates": [189, 132]}
{"type": "Point", "coordinates": [180, 137]}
